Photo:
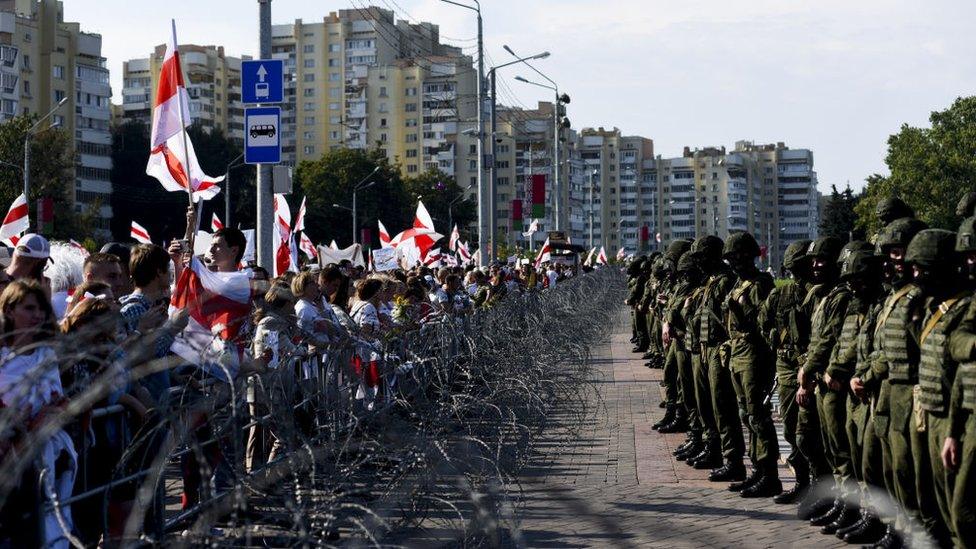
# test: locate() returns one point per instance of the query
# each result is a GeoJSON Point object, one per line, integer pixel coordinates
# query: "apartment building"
{"type": "Point", "coordinates": [44, 59]}
{"type": "Point", "coordinates": [359, 75]}
{"type": "Point", "coordinates": [213, 83]}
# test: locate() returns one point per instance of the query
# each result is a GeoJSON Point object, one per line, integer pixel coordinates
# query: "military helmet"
{"type": "Point", "coordinates": [796, 251]}
{"type": "Point", "coordinates": [709, 247]}
{"type": "Point", "coordinates": [741, 242]}
{"type": "Point", "coordinates": [854, 246]}
{"type": "Point", "coordinates": [690, 261]}
{"type": "Point", "coordinates": [659, 268]}
{"type": "Point", "coordinates": [826, 247]}
{"type": "Point", "coordinates": [892, 208]}
{"type": "Point", "coordinates": [898, 233]}
{"type": "Point", "coordinates": [676, 248]}
{"type": "Point", "coordinates": [964, 208]}
{"type": "Point", "coordinates": [966, 237]}
{"type": "Point", "coordinates": [931, 247]}
{"type": "Point", "coordinates": [860, 262]}
{"type": "Point", "coordinates": [634, 268]}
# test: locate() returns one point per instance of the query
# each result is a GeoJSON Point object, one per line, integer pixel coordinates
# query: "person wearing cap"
{"type": "Point", "coordinates": [29, 259]}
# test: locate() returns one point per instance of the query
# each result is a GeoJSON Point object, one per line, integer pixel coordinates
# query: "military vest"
{"type": "Point", "coordinates": [844, 357]}
{"type": "Point", "coordinates": [709, 312]}
{"type": "Point", "coordinates": [791, 325]}
{"type": "Point", "coordinates": [689, 313]}
{"type": "Point", "coordinates": [936, 368]}
{"type": "Point", "coordinates": [741, 315]}
{"type": "Point", "coordinates": [966, 375]}
{"type": "Point", "coordinates": [893, 332]}
{"type": "Point", "coordinates": [865, 340]}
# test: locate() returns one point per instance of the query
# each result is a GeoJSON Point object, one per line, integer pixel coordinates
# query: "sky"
{"type": "Point", "coordinates": [834, 76]}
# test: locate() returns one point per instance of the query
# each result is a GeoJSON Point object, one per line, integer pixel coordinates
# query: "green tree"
{"type": "Point", "coordinates": [139, 197]}
{"type": "Point", "coordinates": [839, 218]}
{"type": "Point", "coordinates": [52, 175]}
{"type": "Point", "coordinates": [330, 180]}
{"type": "Point", "coordinates": [931, 168]}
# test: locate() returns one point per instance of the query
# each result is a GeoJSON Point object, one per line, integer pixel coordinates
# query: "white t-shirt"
{"type": "Point", "coordinates": [32, 379]}
{"type": "Point", "coordinates": [364, 314]}
{"type": "Point", "coordinates": [308, 314]}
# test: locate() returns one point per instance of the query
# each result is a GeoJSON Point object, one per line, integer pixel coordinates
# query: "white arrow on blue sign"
{"type": "Point", "coordinates": [262, 81]}
{"type": "Point", "coordinates": [262, 135]}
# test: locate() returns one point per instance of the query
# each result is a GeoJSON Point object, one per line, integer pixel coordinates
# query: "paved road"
{"type": "Point", "coordinates": [604, 478]}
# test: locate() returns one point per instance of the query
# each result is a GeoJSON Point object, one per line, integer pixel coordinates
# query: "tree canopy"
{"type": "Point", "coordinates": [839, 218]}
{"type": "Point", "coordinates": [931, 168]}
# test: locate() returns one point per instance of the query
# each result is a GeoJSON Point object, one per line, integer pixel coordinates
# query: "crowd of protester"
{"type": "Point", "coordinates": [89, 380]}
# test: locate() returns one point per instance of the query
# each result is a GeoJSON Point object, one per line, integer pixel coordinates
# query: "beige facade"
{"type": "Point", "coordinates": [213, 82]}
{"type": "Point", "coordinates": [44, 60]}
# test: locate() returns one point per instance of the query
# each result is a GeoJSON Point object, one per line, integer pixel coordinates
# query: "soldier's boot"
{"type": "Point", "coordinates": [830, 515]}
{"type": "Point", "coordinates": [867, 530]}
{"type": "Point", "coordinates": [640, 347]}
{"type": "Point", "coordinates": [798, 490]}
{"type": "Point", "coordinates": [767, 486]}
{"type": "Point", "coordinates": [679, 424]}
{"type": "Point", "coordinates": [754, 477]}
{"type": "Point", "coordinates": [648, 355]}
{"type": "Point", "coordinates": [818, 499]}
{"type": "Point", "coordinates": [732, 471]}
{"type": "Point", "coordinates": [848, 517]}
{"type": "Point", "coordinates": [691, 447]}
{"type": "Point", "coordinates": [890, 540]}
{"type": "Point", "coordinates": [668, 416]}
{"type": "Point", "coordinates": [709, 458]}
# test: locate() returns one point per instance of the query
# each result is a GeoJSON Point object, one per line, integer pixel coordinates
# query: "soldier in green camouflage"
{"type": "Point", "coordinates": [686, 337]}
{"type": "Point", "coordinates": [751, 364]}
{"type": "Point", "coordinates": [896, 372]}
{"type": "Point", "coordinates": [708, 251]}
{"type": "Point", "coordinates": [670, 295]}
{"type": "Point", "coordinates": [823, 254]}
{"type": "Point", "coordinates": [712, 334]}
{"type": "Point", "coordinates": [674, 331]}
{"type": "Point", "coordinates": [935, 269]}
{"type": "Point", "coordinates": [958, 452]}
{"type": "Point", "coordinates": [787, 333]}
{"type": "Point", "coordinates": [636, 281]}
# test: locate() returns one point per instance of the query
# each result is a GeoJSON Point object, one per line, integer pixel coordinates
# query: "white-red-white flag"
{"type": "Point", "coordinates": [215, 223]}
{"type": "Point", "coordinates": [83, 250]}
{"type": "Point", "coordinates": [601, 258]}
{"type": "Point", "coordinates": [657, 237]}
{"type": "Point", "coordinates": [305, 245]}
{"type": "Point", "coordinates": [299, 224]}
{"type": "Point", "coordinates": [589, 256]}
{"type": "Point", "coordinates": [385, 240]}
{"type": "Point", "coordinates": [218, 305]}
{"type": "Point", "coordinates": [422, 219]}
{"type": "Point", "coordinates": [17, 220]}
{"type": "Point", "coordinates": [621, 254]}
{"type": "Point", "coordinates": [455, 238]}
{"type": "Point", "coordinates": [139, 234]}
{"type": "Point", "coordinates": [433, 258]}
{"type": "Point", "coordinates": [464, 253]}
{"type": "Point", "coordinates": [545, 254]}
{"type": "Point", "coordinates": [333, 245]}
{"type": "Point", "coordinates": [170, 149]}
{"type": "Point", "coordinates": [282, 236]}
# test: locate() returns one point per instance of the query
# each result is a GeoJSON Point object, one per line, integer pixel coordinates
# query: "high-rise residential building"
{"type": "Point", "coordinates": [44, 59]}
{"type": "Point", "coordinates": [213, 83]}
{"type": "Point", "coordinates": [360, 75]}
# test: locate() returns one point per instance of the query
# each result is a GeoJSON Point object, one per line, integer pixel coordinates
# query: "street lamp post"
{"type": "Point", "coordinates": [27, 136]}
{"type": "Point", "coordinates": [492, 203]}
{"type": "Point", "coordinates": [593, 175]}
{"type": "Point", "coordinates": [482, 198]}
{"type": "Point", "coordinates": [230, 165]}
{"type": "Point", "coordinates": [556, 179]}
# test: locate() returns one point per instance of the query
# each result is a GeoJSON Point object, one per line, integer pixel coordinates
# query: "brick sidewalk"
{"type": "Point", "coordinates": [605, 478]}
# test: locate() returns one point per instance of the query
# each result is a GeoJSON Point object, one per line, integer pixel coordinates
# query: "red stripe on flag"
{"type": "Point", "coordinates": [174, 165]}
{"type": "Point", "coordinates": [170, 79]}
{"type": "Point", "coordinates": [15, 214]}
{"type": "Point", "coordinates": [208, 308]}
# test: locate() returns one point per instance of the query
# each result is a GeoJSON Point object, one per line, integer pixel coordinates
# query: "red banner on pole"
{"type": "Point", "coordinates": [517, 214]}
{"type": "Point", "coordinates": [539, 196]}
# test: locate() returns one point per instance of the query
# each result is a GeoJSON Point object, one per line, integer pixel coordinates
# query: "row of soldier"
{"type": "Point", "coordinates": [870, 349]}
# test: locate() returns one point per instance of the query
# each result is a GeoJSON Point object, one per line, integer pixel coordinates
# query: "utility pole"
{"type": "Point", "coordinates": [592, 177]}
{"type": "Point", "coordinates": [482, 221]}
{"type": "Point", "coordinates": [265, 195]}
{"type": "Point", "coordinates": [493, 167]}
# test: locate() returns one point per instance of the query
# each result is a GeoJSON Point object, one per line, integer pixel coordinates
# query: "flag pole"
{"type": "Point", "coordinates": [190, 231]}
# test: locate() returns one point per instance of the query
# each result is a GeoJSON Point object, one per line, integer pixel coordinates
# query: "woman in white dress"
{"type": "Point", "coordinates": [30, 385]}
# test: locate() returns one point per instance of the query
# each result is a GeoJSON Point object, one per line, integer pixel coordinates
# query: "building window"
{"type": "Point", "coordinates": [309, 77]}
{"type": "Point", "coordinates": [335, 120]}
{"type": "Point", "coordinates": [58, 95]}
{"type": "Point", "coordinates": [382, 91]}
{"type": "Point", "coordinates": [309, 92]}
{"type": "Point", "coordinates": [333, 106]}
{"type": "Point", "coordinates": [335, 48]}
{"type": "Point", "coordinates": [309, 105]}
{"type": "Point", "coordinates": [307, 135]}
{"type": "Point", "coordinates": [309, 149]}
{"type": "Point", "coordinates": [309, 63]}
{"type": "Point", "coordinates": [411, 138]}
{"type": "Point", "coordinates": [382, 122]}
{"type": "Point", "coordinates": [412, 168]}
{"type": "Point", "coordinates": [310, 120]}
{"type": "Point", "coordinates": [334, 93]}
{"type": "Point", "coordinates": [333, 135]}
{"type": "Point", "coordinates": [333, 77]}
{"type": "Point", "coordinates": [410, 107]}
{"type": "Point", "coordinates": [410, 123]}
{"type": "Point", "coordinates": [383, 137]}
{"type": "Point", "coordinates": [410, 92]}
{"type": "Point", "coordinates": [308, 48]}
{"type": "Point", "coordinates": [333, 62]}
{"type": "Point", "coordinates": [411, 153]}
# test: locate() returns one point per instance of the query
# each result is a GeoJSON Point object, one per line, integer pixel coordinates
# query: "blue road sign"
{"type": "Point", "coordinates": [262, 81]}
{"type": "Point", "coordinates": [262, 135]}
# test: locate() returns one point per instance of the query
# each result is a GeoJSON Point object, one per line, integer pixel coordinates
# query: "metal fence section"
{"type": "Point", "coordinates": [363, 441]}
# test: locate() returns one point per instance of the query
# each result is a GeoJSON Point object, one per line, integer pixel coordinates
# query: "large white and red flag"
{"type": "Point", "coordinates": [464, 253]}
{"type": "Point", "coordinates": [601, 258]}
{"type": "Point", "coordinates": [139, 234]}
{"type": "Point", "coordinates": [306, 245]}
{"type": "Point", "coordinates": [299, 224]}
{"type": "Point", "coordinates": [17, 220]}
{"type": "Point", "coordinates": [433, 258]}
{"type": "Point", "coordinates": [218, 305]}
{"type": "Point", "coordinates": [385, 240]}
{"type": "Point", "coordinates": [282, 240]}
{"type": "Point", "coordinates": [170, 149]}
{"type": "Point", "coordinates": [589, 256]}
{"type": "Point", "coordinates": [545, 254]}
{"type": "Point", "coordinates": [621, 253]}
{"type": "Point", "coordinates": [415, 242]}
{"type": "Point", "coordinates": [215, 223]}
{"type": "Point", "coordinates": [455, 238]}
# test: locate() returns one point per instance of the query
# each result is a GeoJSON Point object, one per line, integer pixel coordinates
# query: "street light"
{"type": "Point", "coordinates": [356, 188]}
{"type": "Point", "coordinates": [230, 165]}
{"type": "Point", "coordinates": [27, 137]}
{"type": "Point", "coordinates": [593, 175]}
{"type": "Point", "coordinates": [482, 222]}
{"type": "Point", "coordinates": [492, 204]}
{"type": "Point", "coordinates": [557, 183]}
